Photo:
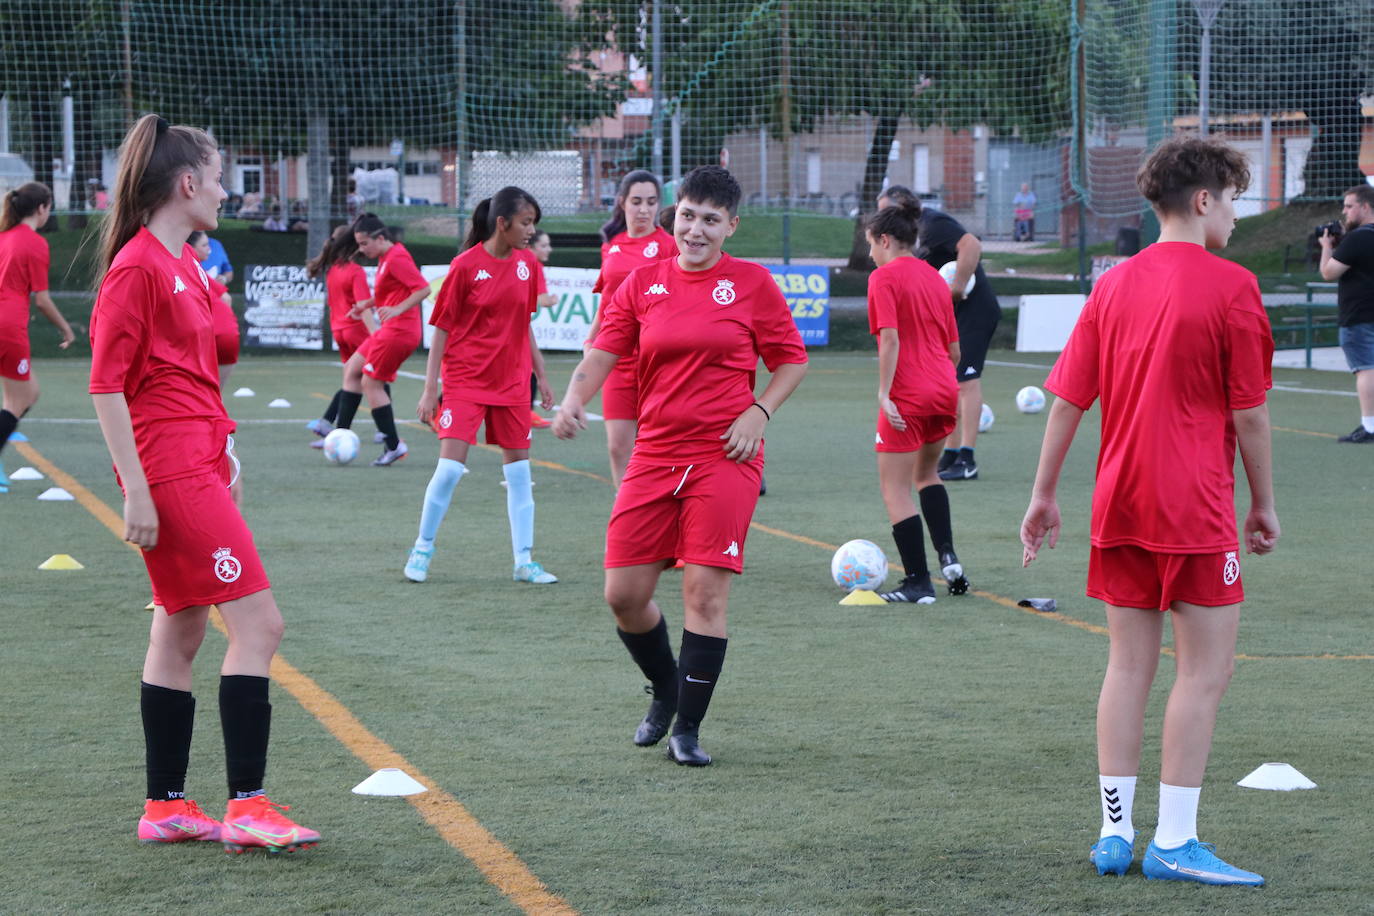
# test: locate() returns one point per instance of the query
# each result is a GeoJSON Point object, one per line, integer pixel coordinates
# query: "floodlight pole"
{"type": "Point", "coordinates": [1207, 14]}
{"type": "Point", "coordinates": [657, 77]}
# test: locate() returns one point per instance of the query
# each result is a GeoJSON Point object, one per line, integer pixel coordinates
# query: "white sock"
{"type": "Point", "coordinates": [1368, 423]}
{"type": "Point", "coordinates": [1177, 815]}
{"type": "Point", "coordinates": [1117, 794]}
{"type": "Point", "coordinates": [520, 509]}
{"type": "Point", "coordinates": [438, 495]}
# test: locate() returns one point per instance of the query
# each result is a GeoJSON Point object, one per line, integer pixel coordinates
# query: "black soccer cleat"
{"type": "Point", "coordinates": [656, 720]}
{"type": "Point", "coordinates": [1359, 435]}
{"type": "Point", "coordinates": [953, 571]}
{"type": "Point", "coordinates": [913, 590]}
{"type": "Point", "coordinates": [960, 469]}
{"type": "Point", "coordinates": [684, 751]}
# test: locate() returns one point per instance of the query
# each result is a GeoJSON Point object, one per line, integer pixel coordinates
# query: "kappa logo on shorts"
{"type": "Point", "coordinates": [970, 371]}
{"type": "Point", "coordinates": [651, 250]}
{"type": "Point", "coordinates": [483, 275]}
{"type": "Point", "coordinates": [446, 418]}
{"type": "Point", "coordinates": [179, 286]}
{"type": "Point", "coordinates": [522, 270]}
{"type": "Point", "coordinates": [724, 293]}
{"type": "Point", "coordinates": [877, 438]}
{"type": "Point", "coordinates": [1230, 572]}
{"type": "Point", "coordinates": [657, 289]}
{"type": "Point", "coordinates": [732, 550]}
{"type": "Point", "coordinates": [23, 366]}
{"type": "Point", "coordinates": [227, 566]}
{"type": "Point", "coordinates": [367, 367]}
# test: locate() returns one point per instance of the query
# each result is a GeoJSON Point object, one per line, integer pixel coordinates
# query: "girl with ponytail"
{"type": "Point", "coordinates": [155, 384]}
{"type": "Point", "coordinates": [350, 310]}
{"type": "Point", "coordinates": [484, 349]}
{"type": "Point", "coordinates": [23, 272]}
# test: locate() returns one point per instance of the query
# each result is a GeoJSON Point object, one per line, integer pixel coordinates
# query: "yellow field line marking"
{"type": "Point", "coordinates": [445, 813]}
{"type": "Point", "coordinates": [1305, 432]}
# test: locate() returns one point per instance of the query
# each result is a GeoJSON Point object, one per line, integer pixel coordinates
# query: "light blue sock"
{"type": "Point", "coordinates": [437, 497]}
{"type": "Point", "coordinates": [520, 509]}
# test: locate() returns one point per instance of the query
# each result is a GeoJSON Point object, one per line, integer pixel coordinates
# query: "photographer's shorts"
{"type": "Point", "coordinates": [1357, 342]}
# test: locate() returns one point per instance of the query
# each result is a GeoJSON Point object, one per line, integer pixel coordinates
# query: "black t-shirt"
{"type": "Point", "coordinates": [937, 241]}
{"type": "Point", "coordinates": [1355, 288]}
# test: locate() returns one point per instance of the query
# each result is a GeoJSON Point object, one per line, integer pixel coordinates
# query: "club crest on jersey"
{"type": "Point", "coordinates": [651, 250]}
{"type": "Point", "coordinates": [446, 419]}
{"type": "Point", "coordinates": [227, 566]}
{"type": "Point", "coordinates": [179, 286]}
{"type": "Point", "coordinates": [1230, 572]}
{"type": "Point", "coordinates": [724, 293]}
{"type": "Point", "coordinates": [483, 275]}
{"type": "Point", "coordinates": [204, 279]}
{"type": "Point", "coordinates": [522, 270]}
{"type": "Point", "coordinates": [656, 289]}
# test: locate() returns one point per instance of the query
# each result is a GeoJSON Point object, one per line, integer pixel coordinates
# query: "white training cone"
{"type": "Point", "coordinates": [388, 781]}
{"type": "Point", "coordinates": [279, 402]}
{"type": "Point", "coordinates": [244, 393]}
{"type": "Point", "coordinates": [27, 474]}
{"type": "Point", "coordinates": [55, 494]}
{"type": "Point", "coordinates": [1278, 776]}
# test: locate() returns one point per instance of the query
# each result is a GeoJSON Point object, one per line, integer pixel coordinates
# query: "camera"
{"type": "Point", "coordinates": [1334, 227]}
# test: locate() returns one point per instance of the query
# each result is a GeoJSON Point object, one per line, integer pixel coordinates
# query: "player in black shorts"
{"type": "Point", "coordinates": [942, 239]}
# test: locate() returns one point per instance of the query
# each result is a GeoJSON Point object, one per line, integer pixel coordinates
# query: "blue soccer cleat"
{"type": "Point", "coordinates": [1112, 855]}
{"type": "Point", "coordinates": [1194, 861]}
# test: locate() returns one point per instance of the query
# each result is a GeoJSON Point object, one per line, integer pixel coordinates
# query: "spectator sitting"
{"type": "Point", "coordinates": [252, 205]}
{"type": "Point", "coordinates": [275, 223]}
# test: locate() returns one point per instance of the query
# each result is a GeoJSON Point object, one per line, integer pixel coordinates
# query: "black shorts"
{"type": "Point", "coordinates": [977, 318]}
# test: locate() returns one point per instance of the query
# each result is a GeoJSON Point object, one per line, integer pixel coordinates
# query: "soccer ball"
{"type": "Point", "coordinates": [859, 564]}
{"type": "Point", "coordinates": [947, 273]}
{"type": "Point", "coordinates": [341, 446]}
{"type": "Point", "coordinates": [985, 419]}
{"type": "Point", "coordinates": [1030, 400]}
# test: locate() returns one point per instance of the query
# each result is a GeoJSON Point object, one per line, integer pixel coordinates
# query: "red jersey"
{"type": "Point", "coordinates": [699, 335]}
{"type": "Point", "coordinates": [397, 278]}
{"type": "Point", "coordinates": [623, 254]}
{"type": "Point", "coordinates": [346, 285]}
{"type": "Point", "coordinates": [909, 295]}
{"type": "Point", "coordinates": [485, 306]}
{"type": "Point", "coordinates": [153, 340]}
{"type": "Point", "coordinates": [23, 270]}
{"type": "Point", "coordinates": [1171, 341]}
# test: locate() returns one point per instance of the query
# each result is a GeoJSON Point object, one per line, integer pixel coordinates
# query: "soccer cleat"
{"type": "Point", "coordinates": [685, 751]}
{"type": "Point", "coordinates": [417, 564]}
{"type": "Point", "coordinates": [1359, 435]}
{"type": "Point", "coordinates": [379, 437]}
{"type": "Point", "coordinates": [657, 719]}
{"type": "Point", "coordinates": [1194, 861]}
{"type": "Point", "coordinates": [538, 422]}
{"type": "Point", "coordinates": [953, 571]}
{"type": "Point", "coordinates": [1112, 855]}
{"type": "Point", "coordinates": [176, 821]}
{"type": "Point", "coordinates": [947, 458]}
{"type": "Point", "coordinates": [318, 443]}
{"type": "Point", "coordinates": [390, 456]}
{"type": "Point", "coordinates": [533, 573]}
{"type": "Point", "coordinates": [914, 590]}
{"type": "Point", "coordinates": [320, 427]}
{"type": "Point", "coordinates": [259, 822]}
{"type": "Point", "coordinates": [960, 469]}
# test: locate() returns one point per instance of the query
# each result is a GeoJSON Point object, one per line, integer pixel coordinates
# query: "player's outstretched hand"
{"type": "Point", "coordinates": [893, 415]}
{"type": "Point", "coordinates": [745, 436]}
{"type": "Point", "coordinates": [1261, 531]}
{"type": "Point", "coordinates": [140, 520]}
{"type": "Point", "coordinates": [67, 337]}
{"type": "Point", "coordinates": [1041, 522]}
{"type": "Point", "coordinates": [570, 418]}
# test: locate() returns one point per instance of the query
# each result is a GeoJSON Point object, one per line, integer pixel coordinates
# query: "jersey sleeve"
{"type": "Point", "coordinates": [775, 332]}
{"type": "Point", "coordinates": [1075, 374]}
{"type": "Point", "coordinates": [1249, 350]}
{"type": "Point", "coordinates": [406, 275]}
{"type": "Point", "coordinates": [619, 332]}
{"type": "Point", "coordinates": [217, 289]}
{"type": "Point", "coordinates": [451, 295]}
{"type": "Point", "coordinates": [539, 286]}
{"type": "Point", "coordinates": [882, 304]}
{"type": "Point", "coordinates": [600, 283]}
{"type": "Point", "coordinates": [38, 267]}
{"type": "Point", "coordinates": [119, 325]}
{"type": "Point", "coordinates": [358, 291]}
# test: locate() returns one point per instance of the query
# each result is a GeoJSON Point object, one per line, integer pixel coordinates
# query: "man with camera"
{"type": "Point", "coordinates": [1349, 260]}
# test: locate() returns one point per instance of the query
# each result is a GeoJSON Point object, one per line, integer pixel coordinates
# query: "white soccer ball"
{"type": "Point", "coordinates": [341, 446]}
{"type": "Point", "coordinates": [859, 564]}
{"type": "Point", "coordinates": [985, 419]}
{"type": "Point", "coordinates": [1030, 400]}
{"type": "Point", "coordinates": [947, 272]}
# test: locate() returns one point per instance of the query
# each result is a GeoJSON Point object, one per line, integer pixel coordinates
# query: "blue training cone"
{"type": "Point", "coordinates": [17, 436]}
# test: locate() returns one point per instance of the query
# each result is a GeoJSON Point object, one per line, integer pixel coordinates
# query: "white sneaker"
{"type": "Point", "coordinates": [391, 456]}
{"type": "Point", "coordinates": [533, 573]}
{"type": "Point", "coordinates": [417, 566]}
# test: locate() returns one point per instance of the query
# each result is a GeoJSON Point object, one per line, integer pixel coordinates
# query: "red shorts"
{"type": "Point", "coordinates": [920, 430]}
{"type": "Point", "coordinates": [383, 353]}
{"type": "Point", "coordinates": [205, 552]}
{"type": "Point", "coordinates": [1130, 576]}
{"type": "Point", "coordinates": [508, 427]}
{"type": "Point", "coordinates": [697, 513]}
{"type": "Point", "coordinates": [620, 393]}
{"type": "Point", "coordinates": [14, 359]}
{"type": "Point", "coordinates": [349, 339]}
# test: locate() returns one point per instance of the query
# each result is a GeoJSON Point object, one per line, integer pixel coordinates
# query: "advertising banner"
{"type": "Point", "coordinates": [806, 287]}
{"type": "Point", "coordinates": [283, 307]}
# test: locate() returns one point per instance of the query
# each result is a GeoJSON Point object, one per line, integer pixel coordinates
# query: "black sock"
{"type": "Point", "coordinates": [654, 655]}
{"type": "Point", "coordinates": [700, 661]}
{"type": "Point", "coordinates": [534, 388]}
{"type": "Point", "coordinates": [348, 408]}
{"type": "Point", "coordinates": [966, 453]}
{"type": "Point", "coordinates": [332, 410]}
{"type": "Point", "coordinates": [8, 422]}
{"type": "Point", "coordinates": [245, 714]}
{"type": "Point", "coordinates": [168, 716]}
{"type": "Point", "coordinates": [935, 510]}
{"type": "Point", "coordinates": [386, 422]}
{"type": "Point", "coordinates": [910, 537]}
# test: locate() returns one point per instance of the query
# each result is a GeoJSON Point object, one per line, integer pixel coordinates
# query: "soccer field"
{"type": "Point", "coordinates": [892, 759]}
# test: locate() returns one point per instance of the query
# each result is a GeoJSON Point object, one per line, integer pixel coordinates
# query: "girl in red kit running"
{"type": "Point", "coordinates": [631, 239]}
{"type": "Point", "coordinates": [697, 325]}
{"type": "Point", "coordinates": [23, 271]}
{"type": "Point", "coordinates": [484, 350]}
{"type": "Point", "coordinates": [400, 288]}
{"type": "Point", "coordinates": [350, 311]}
{"type": "Point", "coordinates": [156, 391]}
